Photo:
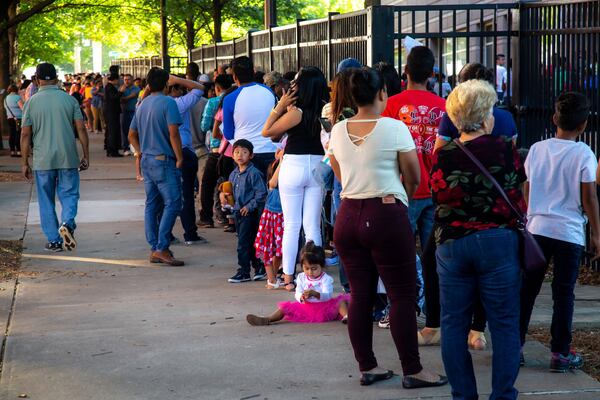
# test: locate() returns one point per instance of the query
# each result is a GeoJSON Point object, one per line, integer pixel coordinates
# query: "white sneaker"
{"type": "Point", "coordinates": [127, 153]}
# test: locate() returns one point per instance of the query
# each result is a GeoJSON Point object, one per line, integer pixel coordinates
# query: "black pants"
{"type": "Point", "coordinates": [188, 178]}
{"type": "Point", "coordinates": [567, 259]}
{"type": "Point", "coordinates": [246, 228]}
{"type": "Point", "coordinates": [262, 161]}
{"type": "Point", "coordinates": [207, 187]}
{"type": "Point", "coordinates": [432, 290]}
{"type": "Point", "coordinates": [112, 136]}
{"type": "Point", "coordinates": [375, 240]}
{"type": "Point", "coordinates": [14, 140]}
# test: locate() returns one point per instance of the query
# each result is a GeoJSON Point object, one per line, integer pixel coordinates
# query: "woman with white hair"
{"type": "Point", "coordinates": [478, 246]}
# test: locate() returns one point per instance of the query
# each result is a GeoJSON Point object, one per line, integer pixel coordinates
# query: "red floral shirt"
{"type": "Point", "coordinates": [467, 202]}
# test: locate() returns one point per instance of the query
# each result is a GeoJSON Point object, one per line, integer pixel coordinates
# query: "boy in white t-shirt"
{"type": "Point", "coordinates": [561, 191]}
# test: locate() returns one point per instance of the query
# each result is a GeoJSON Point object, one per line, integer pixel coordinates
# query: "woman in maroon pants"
{"type": "Point", "coordinates": [376, 162]}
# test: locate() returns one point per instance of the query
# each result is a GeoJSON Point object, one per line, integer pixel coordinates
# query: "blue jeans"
{"type": "Point", "coordinates": [65, 184]}
{"type": "Point", "coordinates": [246, 228]}
{"type": "Point", "coordinates": [126, 118]}
{"type": "Point", "coordinates": [567, 259]}
{"type": "Point", "coordinates": [484, 264]}
{"type": "Point", "coordinates": [162, 182]}
{"type": "Point", "coordinates": [420, 214]}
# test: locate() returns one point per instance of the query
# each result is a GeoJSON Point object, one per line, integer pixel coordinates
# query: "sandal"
{"type": "Point", "coordinates": [288, 284]}
{"type": "Point", "coordinates": [477, 340]}
{"type": "Point", "coordinates": [429, 340]}
{"type": "Point", "coordinates": [273, 286]}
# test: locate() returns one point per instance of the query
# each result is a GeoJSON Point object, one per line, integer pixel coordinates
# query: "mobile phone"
{"type": "Point", "coordinates": [326, 124]}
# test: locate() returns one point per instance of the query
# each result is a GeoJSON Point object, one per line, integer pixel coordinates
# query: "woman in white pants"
{"type": "Point", "coordinates": [297, 114]}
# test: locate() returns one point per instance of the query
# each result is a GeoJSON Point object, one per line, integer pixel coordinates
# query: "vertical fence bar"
{"type": "Point", "coordinates": [400, 47]}
{"type": "Point", "coordinates": [481, 41]}
{"type": "Point", "coordinates": [328, 73]}
{"type": "Point", "coordinates": [454, 51]}
{"type": "Point", "coordinates": [495, 35]}
{"type": "Point", "coordinates": [468, 41]}
{"type": "Point", "coordinates": [298, 40]}
{"type": "Point", "coordinates": [271, 48]}
{"type": "Point", "coordinates": [441, 41]}
{"type": "Point", "coordinates": [509, 66]}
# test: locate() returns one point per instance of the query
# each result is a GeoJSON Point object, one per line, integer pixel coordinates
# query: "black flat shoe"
{"type": "Point", "coordinates": [408, 382]}
{"type": "Point", "coordinates": [367, 379]}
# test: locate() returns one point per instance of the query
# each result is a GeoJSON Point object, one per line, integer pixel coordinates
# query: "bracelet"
{"type": "Point", "coordinates": [274, 111]}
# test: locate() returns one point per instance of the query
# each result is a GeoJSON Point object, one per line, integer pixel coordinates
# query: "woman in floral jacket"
{"type": "Point", "coordinates": [477, 251]}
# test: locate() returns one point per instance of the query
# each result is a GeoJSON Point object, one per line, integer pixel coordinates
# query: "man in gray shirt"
{"type": "Point", "coordinates": [48, 119]}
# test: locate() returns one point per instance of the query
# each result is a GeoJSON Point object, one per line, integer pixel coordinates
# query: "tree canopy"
{"type": "Point", "coordinates": [131, 28]}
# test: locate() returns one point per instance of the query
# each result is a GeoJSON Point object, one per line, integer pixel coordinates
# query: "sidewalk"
{"type": "Point", "coordinates": [103, 323]}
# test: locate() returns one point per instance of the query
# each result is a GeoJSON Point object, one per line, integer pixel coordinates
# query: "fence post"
{"type": "Point", "coordinates": [249, 44]}
{"type": "Point", "coordinates": [298, 39]}
{"type": "Point", "coordinates": [270, 48]}
{"type": "Point", "coordinates": [380, 34]}
{"type": "Point", "coordinates": [329, 72]}
{"type": "Point", "coordinates": [202, 67]}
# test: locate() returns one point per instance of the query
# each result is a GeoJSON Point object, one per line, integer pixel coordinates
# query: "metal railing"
{"type": "Point", "coordinates": [322, 43]}
{"type": "Point", "coordinates": [139, 66]}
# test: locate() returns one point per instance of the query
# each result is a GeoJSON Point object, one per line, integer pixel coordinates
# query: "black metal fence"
{"type": "Point", "coordinates": [322, 43]}
{"type": "Point", "coordinates": [560, 48]}
{"type": "Point", "coordinates": [458, 35]}
{"type": "Point", "coordinates": [138, 67]}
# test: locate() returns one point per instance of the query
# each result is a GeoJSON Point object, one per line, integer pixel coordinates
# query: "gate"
{"type": "Point", "coordinates": [560, 45]}
{"type": "Point", "coordinates": [458, 34]}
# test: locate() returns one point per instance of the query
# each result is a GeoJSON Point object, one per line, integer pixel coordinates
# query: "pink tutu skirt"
{"type": "Point", "coordinates": [309, 313]}
{"type": "Point", "coordinates": [269, 236]}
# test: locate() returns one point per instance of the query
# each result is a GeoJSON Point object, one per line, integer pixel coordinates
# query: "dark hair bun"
{"type": "Point", "coordinates": [313, 254]}
{"type": "Point", "coordinates": [365, 83]}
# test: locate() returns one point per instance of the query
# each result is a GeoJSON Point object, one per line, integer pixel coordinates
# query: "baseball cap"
{"type": "Point", "coordinates": [204, 78]}
{"type": "Point", "coordinates": [348, 63]}
{"type": "Point", "coordinates": [45, 72]}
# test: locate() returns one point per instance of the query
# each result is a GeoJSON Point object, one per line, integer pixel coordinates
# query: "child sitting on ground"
{"type": "Point", "coordinates": [270, 229]}
{"type": "Point", "coordinates": [560, 185]}
{"type": "Point", "coordinates": [249, 195]}
{"type": "Point", "coordinates": [314, 295]}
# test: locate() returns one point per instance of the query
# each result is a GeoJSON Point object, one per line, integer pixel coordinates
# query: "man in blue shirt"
{"type": "Point", "coordinates": [128, 102]}
{"type": "Point", "coordinates": [154, 132]}
{"type": "Point", "coordinates": [189, 170]}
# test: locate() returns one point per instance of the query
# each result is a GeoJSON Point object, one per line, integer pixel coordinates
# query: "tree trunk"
{"type": "Point", "coordinates": [190, 36]}
{"type": "Point", "coordinates": [12, 41]}
{"type": "Point", "coordinates": [217, 14]}
{"type": "Point", "coordinates": [4, 69]}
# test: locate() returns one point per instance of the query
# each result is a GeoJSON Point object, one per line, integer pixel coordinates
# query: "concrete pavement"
{"type": "Point", "coordinates": [103, 323]}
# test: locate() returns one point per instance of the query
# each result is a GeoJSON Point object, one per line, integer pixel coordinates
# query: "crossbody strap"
{"type": "Point", "coordinates": [8, 108]}
{"type": "Point", "coordinates": [489, 176]}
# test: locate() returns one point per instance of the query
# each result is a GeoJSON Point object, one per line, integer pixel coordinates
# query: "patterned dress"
{"type": "Point", "coordinates": [270, 229]}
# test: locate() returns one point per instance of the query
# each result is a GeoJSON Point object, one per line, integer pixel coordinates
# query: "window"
{"type": "Point", "coordinates": [447, 57]}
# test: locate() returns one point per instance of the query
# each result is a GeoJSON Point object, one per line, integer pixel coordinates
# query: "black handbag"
{"type": "Point", "coordinates": [532, 256]}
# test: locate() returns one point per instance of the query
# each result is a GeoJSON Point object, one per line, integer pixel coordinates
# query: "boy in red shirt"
{"type": "Point", "coordinates": [422, 112]}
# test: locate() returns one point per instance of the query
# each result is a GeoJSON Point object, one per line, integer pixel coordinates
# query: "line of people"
{"type": "Point", "coordinates": [400, 162]}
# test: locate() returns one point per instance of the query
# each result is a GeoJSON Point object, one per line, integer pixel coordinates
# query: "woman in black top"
{"type": "Point", "coordinates": [297, 114]}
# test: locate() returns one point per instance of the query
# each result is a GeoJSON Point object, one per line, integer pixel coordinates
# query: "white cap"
{"type": "Point", "coordinates": [204, 78]}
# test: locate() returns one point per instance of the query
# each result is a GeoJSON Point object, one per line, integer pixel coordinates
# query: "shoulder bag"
{"type": "Point", "coordinates": [532, 256]}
